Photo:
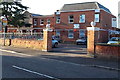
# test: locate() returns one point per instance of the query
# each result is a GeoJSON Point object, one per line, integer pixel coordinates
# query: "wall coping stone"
{"type": "Point", "coordinates": [48, 29]}
{"type": "Point", "coordinates": [93, 28]}
{"type": "Point", "coordinates": [105, 44]}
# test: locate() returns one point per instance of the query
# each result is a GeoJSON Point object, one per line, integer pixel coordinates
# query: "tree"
{"type": "Point", "coordinates": [13, 11]}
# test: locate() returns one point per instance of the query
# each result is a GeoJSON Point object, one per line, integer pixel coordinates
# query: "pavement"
{"type": "Point", "coordinates": [79, 58]}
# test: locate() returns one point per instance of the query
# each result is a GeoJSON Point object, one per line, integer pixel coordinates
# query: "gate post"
{"type": "Point", "coordinates": [47, 39]}
{"type": "Point", "coordinates": [92, 38]}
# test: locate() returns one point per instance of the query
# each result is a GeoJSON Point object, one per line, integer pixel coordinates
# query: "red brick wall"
{"type": "Point", "coordinates": [97, 47]}
{"type": "Point", "coordinates": [108, 50]}
{"type": "Point", "coordinates": [106, 19]}
{"type": "Point", "coordinates": [91, 42]}
{"type": "Point", "coordinates": [44, 45]}
{"type": "Point", "coordinates": [26, 43]}
{"type": "Point", "coordinates": [47, 41]}
{"type": "Point", "coordinates": [45, 21]}
{"type": "Point", "coordinates": [89, 16]}
{"type": "Point", "coordinates": [102, 36]}
{"type": "Point", "coordinates": [7, 42]}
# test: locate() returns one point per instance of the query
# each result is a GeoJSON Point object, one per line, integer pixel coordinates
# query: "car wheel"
{"type": "Point", "coordinates": [56, 45]}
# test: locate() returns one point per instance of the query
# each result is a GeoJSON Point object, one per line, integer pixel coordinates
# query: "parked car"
{"type": "Point", "coordinates": [114, 40]}
{"type": "Point", "coordinates": [81, 41]}
{"type": "Point", "coordinates": [57, 38]}
{"type": "Point", "coordinates": [54, 43]}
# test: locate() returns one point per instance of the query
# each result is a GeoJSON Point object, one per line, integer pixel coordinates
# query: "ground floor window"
{"type": "Point", "coordinates": [82, 33]}
{"type": "Point", "coordinates": [70, 34]}
{"type": "Point", "coordinates": [57, 33]}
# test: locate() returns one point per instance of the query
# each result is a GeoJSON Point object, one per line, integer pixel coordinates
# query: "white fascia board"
{"type": "Point", "coordinates": [79, 10]}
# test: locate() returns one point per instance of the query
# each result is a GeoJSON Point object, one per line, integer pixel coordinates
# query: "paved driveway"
{"type": "Point", "coordinates": [71, 48]}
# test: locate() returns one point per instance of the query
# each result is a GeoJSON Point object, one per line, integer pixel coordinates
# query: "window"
{"type": "Point", "coordinates": [82, 18]}
{"type": "Point", "coordinates": [48, 21]}
{"type": "Point", "coordinates": [42, 22]}
{"type": "Point", "coordinates": [58, 19]}
{"type": "Point", "coordinates": [35, 22]}
{"type": "Point", "coordinates": [58, 33]}
{"type": "Point", "coordinates": [97, 17]}
{"type": "Point", "coordinates": [70, 34]}
{"type": "Point", "coordinates": [71, 19]}
{"type": "Point", "coordinates": [114, 22]}
{"type": "Point", "coordinates": [82, 34]}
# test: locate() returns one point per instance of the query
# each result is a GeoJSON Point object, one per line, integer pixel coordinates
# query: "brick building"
{"type": "Point", "coordinates": [71, 21]}
{"type": "Point", "coordinates": [28, 24]}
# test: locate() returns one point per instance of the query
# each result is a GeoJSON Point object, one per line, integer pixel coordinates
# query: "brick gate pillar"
{"type": "Point", "coordinates": [47, 37]}
{"type": "Point", "coordinates": [92, 38]}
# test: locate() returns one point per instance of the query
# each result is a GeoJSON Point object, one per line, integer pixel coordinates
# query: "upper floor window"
{"type": "Point", "coordinates": [82, 18]}
{"type": "Point", "coordinates": [41, 21]}
{"type": "Point", "coordinates": [71, 19]}
{"type": "Point", "coordinates": [97, 16]}
{"type": "Point", "coordinates": [48, 21]}
{"type": "Point", "coordinates": [114, 22]}
{"type": "Point", "coordinates": [35, 22]}
{"type": "Point", "coordinates": [58, 19]}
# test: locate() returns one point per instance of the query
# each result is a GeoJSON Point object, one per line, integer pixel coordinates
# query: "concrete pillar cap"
{"type": "Point", "coordinates": [48, 29]}
{"type": "Point", "coordinates": [93, 28]}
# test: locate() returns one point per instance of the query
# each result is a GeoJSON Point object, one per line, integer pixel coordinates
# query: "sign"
{"type": "Point", "coordinates": [76, 25]}
{"type": "Point", "coordinates": [4, 20]}
{"type": "Point", "coordinates": [47, 25]}
{"type": "Point", "coordinates": [93, 24]}
{"type": "Point", "coordinates": [0, 25]}
{"type": "Point", "coordinates": [97, 10]}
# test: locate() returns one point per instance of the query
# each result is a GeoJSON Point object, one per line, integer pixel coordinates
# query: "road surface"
{"type": "Point", "coordinates": [21, 65]}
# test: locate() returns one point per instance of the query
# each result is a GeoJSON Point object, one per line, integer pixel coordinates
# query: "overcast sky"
{"type": "Point", "coordinates": [119, 7]}
{"type": "Point", "coordinates": [47, 7]}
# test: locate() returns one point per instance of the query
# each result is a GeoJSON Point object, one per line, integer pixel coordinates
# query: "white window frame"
{"type": "Point", "coordinates": [41, 21]}
{"type": "Point", "coordinates": [81, 35]}
{"type": "Point", "coordinates": [97, 18]}
{"type": "Point", "coordinates": [114, 22]}
{"type": "Point", "coordinates": [57, 19]}
{"type": "Point", "coordinates": [48, 21]}
{"type": "Point", "coordinates": [35, 22]}
{"type": "Point", "coordinates": [70, 34]}
{"type": "Point", "coordinates": [70, 19]}
{"type": "Point", "coordinates": [82, 18]}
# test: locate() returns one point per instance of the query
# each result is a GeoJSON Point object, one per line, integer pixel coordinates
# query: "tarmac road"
{"type": "Point", "coordinates": [21, 65]}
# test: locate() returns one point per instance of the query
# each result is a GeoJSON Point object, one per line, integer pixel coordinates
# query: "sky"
{"type": "Point", "coordinates": [48, 7]}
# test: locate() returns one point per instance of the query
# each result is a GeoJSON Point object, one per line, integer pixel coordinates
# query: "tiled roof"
{"type": "Point", "coordinates": [83, 6]}
{"type": "Point", "coordinates": [43, 16]}
{"type": "Point", "coordinates": [36, 14]}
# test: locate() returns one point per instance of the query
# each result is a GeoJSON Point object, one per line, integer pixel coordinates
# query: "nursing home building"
{"type": "Point", "coordinates": [72, 20]}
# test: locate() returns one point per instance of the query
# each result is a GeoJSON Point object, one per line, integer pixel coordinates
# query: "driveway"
{"type": "Point", "coordinates": [71, 48]}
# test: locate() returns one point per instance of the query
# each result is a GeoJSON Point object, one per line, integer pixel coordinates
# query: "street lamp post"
{"type": "Point", "coordinates": [4, 24]}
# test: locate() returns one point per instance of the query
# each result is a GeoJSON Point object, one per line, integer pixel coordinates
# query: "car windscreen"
{"type": "Point", "coordinates": [115, 39]}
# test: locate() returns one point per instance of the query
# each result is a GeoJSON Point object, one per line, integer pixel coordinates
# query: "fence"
{"type": "Point", "coordinates": [40, 41]}
{"type": "Point", "coordinates": [33, 36]}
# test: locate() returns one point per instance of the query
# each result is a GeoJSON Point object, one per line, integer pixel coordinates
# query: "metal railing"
{"type": "Point", "coordinates": [35, 36]}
